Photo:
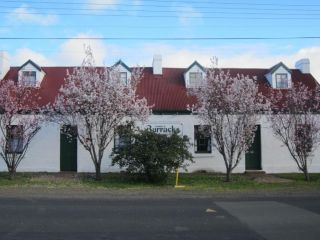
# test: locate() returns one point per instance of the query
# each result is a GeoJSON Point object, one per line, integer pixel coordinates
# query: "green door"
{"type": "Point", "coordinates": [253, 156]}
{"type": "Point", "coordinates": [68, 148]}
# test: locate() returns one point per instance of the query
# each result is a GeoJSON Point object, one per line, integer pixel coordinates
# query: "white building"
{"type": "Point", "coordinates": [166, 89]}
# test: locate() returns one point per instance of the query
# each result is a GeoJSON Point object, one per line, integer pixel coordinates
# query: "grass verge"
{"type": "Point", "coordinates": [192, 181]}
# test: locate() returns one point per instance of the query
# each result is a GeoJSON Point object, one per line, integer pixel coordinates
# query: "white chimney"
{"type": "Point", "coordinates": [303, 65]}
{"type": "Point", "coordinates": [4, 64]}
{"type": "Point", "coordinates": [157, 64]}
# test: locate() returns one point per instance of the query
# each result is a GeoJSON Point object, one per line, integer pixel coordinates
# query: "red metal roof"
{"type": "Point", "coordinates": [166, 92]}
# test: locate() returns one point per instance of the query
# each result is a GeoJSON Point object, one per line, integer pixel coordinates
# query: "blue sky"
{"type": "Point", "coordinates": [162, 19]}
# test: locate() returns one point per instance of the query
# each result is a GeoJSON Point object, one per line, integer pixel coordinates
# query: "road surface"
{"type": "Point", "coordinates": [160, 218]}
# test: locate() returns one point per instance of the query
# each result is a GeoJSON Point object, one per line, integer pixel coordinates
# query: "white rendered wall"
{"type": "Point", "coordinates": [44, 151]}
{"type": "Point", "coordinates": [275, 155]}
{"type": "Point", "coordinates": [3, 166]}
{"type": "Point", "coordinates": [85, 163]}
{"type": "Point", "coordinates": [43, 154]}
{"type": "Point", "coordinates": [210, 161]}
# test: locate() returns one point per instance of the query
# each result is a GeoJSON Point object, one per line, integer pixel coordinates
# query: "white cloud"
{"type": "Point", "coordinates": [101, 4]}
{"type": "Point", "coordinates": [23, 14]}
{"type": "Point", "coordinates": [24, 54]}
{"type": "Point", "coordinates": [233, 56]}
{"type": "Point", "coordinates": [255, 60]}
{"type": "Point", "coordinates": [71, 53]}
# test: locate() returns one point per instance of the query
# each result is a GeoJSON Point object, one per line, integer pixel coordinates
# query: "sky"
{"type": "Point", "coordinates": [180, 30]}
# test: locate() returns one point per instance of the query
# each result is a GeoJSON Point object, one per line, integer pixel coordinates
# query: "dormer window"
{"type": "Point", "coordinates": [124, 77]}
{"type": "Point", "coordinates": [30, 74]}
{"type": "Point", "coordinates": [124, 72]}
{"type": "Point", "coordinates": [281, 80]}
{"type": "Point", "coordinates": [195, 78]}
{"type": "Point", "coordinates": [279, 76]}
{"type": "Point", "coordinates": [29, 78]}
{"type": "Point", "coordinates": [194, 75]}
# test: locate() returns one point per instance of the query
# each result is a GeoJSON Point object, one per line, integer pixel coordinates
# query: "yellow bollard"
{"type": "Point", "coordinates": [177, 180]}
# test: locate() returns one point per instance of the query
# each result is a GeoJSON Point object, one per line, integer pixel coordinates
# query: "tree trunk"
{"type": "Point", "coordinates": [12, 172]}
{"type": "Point", "coordinates": [306, 175]}
{"type": "Point", "coordinates": [228, 173]}
{"type": "Point", "coordinates": [98, 172]}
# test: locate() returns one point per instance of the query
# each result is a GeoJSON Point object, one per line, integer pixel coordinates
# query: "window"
{"type": "Point", "coordinates": [123, 77]}
{"type": "Point", "coordinates": [28, 78]}
{"type": "Point", "coordinates": [282, 80]}
{"type": "Point", "coordinates": [14, 139]}
{"type": "Point", "coordinates": [121, 139]}
{"type": "Point", "coordinates": [202, 139]}
{"type": "Point", "coordinates": [303, 138]}
{"type": "Point", "coordinates": [195, 78]}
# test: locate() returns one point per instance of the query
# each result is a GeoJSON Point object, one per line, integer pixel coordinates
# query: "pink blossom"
{"type": "Point", "coordinates": [97, 102]}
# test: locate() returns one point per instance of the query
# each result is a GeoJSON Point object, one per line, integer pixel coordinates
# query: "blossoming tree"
{"type": "Point", "coordinates": [295, 122]}
{"type": "Point", "coordinates": [20, 121]}
{"type": "Point", "coordinates": [96, 100]}
{"type": "Point", "coordinates": [229, 105]}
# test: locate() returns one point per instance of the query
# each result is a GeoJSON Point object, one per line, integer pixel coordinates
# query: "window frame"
{"type": "Point", "coordinates": [282, 78]}
{"type": "Point", "coordinates": [124, 79]}
{"type": "Point", "coordinates": [196, 78]}
{"type": "Point", "coordinates": [14, 139]}
{"type": "Point", "coordinates": [303, 135]}
{"type": "Point", "coordinates": [29, 80]}
{"type": "Point", "coordinates": [201, 137]}
{"type": "Point", "coordinates": [120, 139]}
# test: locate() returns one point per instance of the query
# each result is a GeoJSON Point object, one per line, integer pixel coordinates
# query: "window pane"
{"type": "Point", "coordinates": [29, 78]}
{"type": "Point", "coordinates": [121, 138]}
{"type": "Point", "coordinates": [195, 78]}
{"type": "Point", "coordinates": [282, 80]}
{"type": "Point", "coordinates": [303, 138]}
{"type": "Point", "coordinates": [123, 77]}
{"type": "Point", "coordinates": [14, 139]}
{"type": "Point", "coordinates": [202, 137]}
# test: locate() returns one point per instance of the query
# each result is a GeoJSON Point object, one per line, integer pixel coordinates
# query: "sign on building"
{"type": "Point", "coordinates": [164, 128]}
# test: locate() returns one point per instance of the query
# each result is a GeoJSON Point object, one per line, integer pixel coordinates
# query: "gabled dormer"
{"type": "Point", "coordinates": [30, 74]}
{"type": "Point", "coordinates": [124, 71]}
{"type": "Point", "coordinates": [279, 76]}
{"type": "Point", "coordinates": [194, 75]}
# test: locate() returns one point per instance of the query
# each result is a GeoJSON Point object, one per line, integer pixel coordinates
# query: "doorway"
{"type": "Point", "coordinates": [253, 155]}
{"type": "Point", "coordinates": [68, 148]}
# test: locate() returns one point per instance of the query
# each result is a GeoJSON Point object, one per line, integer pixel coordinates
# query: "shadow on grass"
{"type": "Point", "coordinates": [120, 180]}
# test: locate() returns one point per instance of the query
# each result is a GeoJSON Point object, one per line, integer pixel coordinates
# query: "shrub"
{"type": "Point", "coordinates": [152, 155]}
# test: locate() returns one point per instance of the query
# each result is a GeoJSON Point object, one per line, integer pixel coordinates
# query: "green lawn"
{"type": "Point", "coordinates": [192, 181]}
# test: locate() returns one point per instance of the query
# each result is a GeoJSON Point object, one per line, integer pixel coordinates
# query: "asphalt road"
{"type": "Point", "coordinates": [167, 218]}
